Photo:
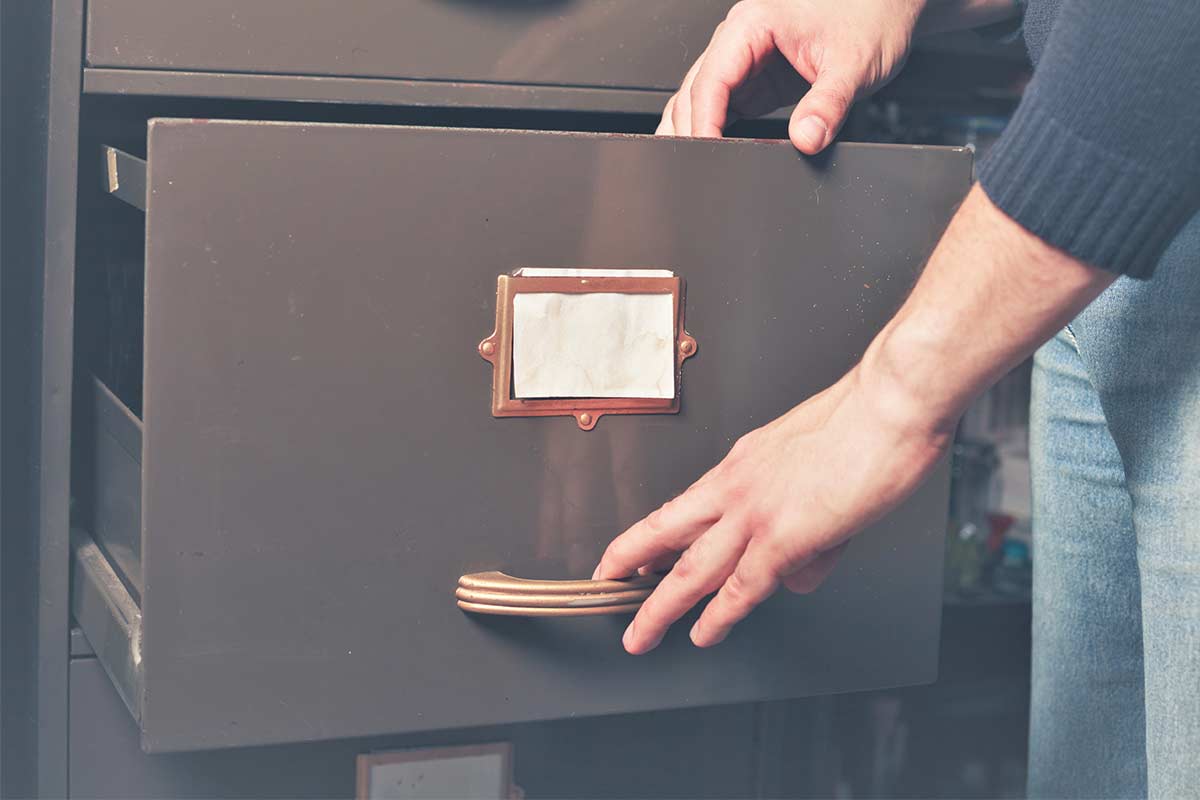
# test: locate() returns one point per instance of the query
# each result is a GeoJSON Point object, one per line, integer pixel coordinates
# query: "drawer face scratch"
{"type": "Point", "coordinates": [320, 460]}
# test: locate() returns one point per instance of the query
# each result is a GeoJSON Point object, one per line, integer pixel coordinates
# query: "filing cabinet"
{"type": "Point", "coordinates": [317, 462]}
{"type": "Point", "coordinates": [267, 517]}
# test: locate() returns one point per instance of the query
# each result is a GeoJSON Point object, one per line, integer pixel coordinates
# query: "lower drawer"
{"type": "Point", "coordinates": [272, 549]}
{"type": "Point", "coordinates": [697, 753]}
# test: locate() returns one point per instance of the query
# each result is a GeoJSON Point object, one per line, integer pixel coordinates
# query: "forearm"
{"type": "Point", "coordinates": [990, 295]}
{"type": "Point", "coordinates": [940, 16]}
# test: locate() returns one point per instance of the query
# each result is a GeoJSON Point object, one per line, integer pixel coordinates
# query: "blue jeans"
{"type": "Point", "coordinates": [1115, 450]}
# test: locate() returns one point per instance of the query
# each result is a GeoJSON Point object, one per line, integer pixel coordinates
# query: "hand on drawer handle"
{"type": "Point", "coordinates": [500, 594]}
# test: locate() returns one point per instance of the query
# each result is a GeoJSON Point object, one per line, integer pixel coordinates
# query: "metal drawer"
{"type": "Point", "coordinates": [698, 753]}
{"type": "Point", "coordinates": [317, 463]}
{"type": "Point", "coordinates": [610, 44]}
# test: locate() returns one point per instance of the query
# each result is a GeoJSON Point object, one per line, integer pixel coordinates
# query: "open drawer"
{"type": "Point", "coordinates": [272, 550]}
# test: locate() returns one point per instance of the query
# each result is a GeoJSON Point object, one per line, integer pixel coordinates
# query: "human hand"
{"type": "Point", "coordinates": [767, 52]}
{"type": "Point", "coordinates": [778, 509]}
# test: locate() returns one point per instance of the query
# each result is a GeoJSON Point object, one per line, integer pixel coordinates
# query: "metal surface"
{"type": "Point", "coordinates": [319, 463]}
{"type": "Point", "coordinates": [42, 44]}
{"type": "Point", "coordinates": [375, 91]}
{"type": "Point", "coordinates": [697, 753]}
{"type": "Point", "coordinates": [114, 455]}
{"type": "Point", "coordinates": [80, 646]}
{"type": "Point", "coordinates": [483, 592]}
{"type": "Point", "coordinates": [551, 600]}
{"type": "Point", "coordinates": [125, 177]}
{"type": "Point", "coordinates": [109, 617]}
{"type": "Point", "coordinates": [500, 582]}
{"type": "Point", "coordinates": [529, 612]}
{"type": "Point", "coordinates": [597, 43]}
{"type": "Point", "coordinates": [497, 349]}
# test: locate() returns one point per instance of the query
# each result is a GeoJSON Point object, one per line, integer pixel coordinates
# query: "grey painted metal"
{"type": "Point", "coordinates": [319, 460]}
{"type": "Point", "coordinates": [706, 752]}
{"type": "Point", "coordinates": [80, 646]}
{"type": "Point", "coordinates": [55, 353]}
{"type": "Point", "coordinates": [114, 494]}
{"type": "Point", "coordinates": [109, 617]}
{"type": "Point", "coordinates": [24, 95]}
{"type": "Point", "coordinates": [626, 44]}
{"type": "Point", "coordinates": [378, 91]}
{"type": "Point", "coordinates": [42, 51]}
{"type": "Point", "coordinates": [125, 177]}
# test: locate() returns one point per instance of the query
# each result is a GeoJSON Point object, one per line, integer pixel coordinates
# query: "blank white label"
{"type": "Point", "coordinates": [462, 778]}
{"type": "Point", "coordinates": [601, 344]}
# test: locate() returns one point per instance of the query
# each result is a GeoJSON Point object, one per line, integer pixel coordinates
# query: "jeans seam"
{"type": "Point", "coordinates": [1071, 337]}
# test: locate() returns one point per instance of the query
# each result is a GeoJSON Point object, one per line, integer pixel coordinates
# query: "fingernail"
{"type": "Point", "coordinates": [596, 574]}
{"type": "Point", "coordinates": [694, 633]}
{"type": "Point", "coordinates": [812, 132]}
{"type": "Point", "coordinates": [628, 637]}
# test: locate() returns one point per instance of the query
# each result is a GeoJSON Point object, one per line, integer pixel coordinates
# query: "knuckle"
{"type": "Point", "coordinates": [746, 11]}
{"type": "Point", "coordinates": [654, 520]}
{"type": "Point", "coordinates": [685, 568]}
{"type": "Point", "coordinates": [840, 92]}
{"type": "Point", "coordinates": [757, 522]}
{"type": "Point", "coordinates": [738, 588]}
{"type": "Point", "coordinates": [859, 52]}
{"type": "Point", "coordinates": [736, 491]}
{"type": "Point", "coordinates": [782, 554]}
{"type": "Point", "coordinates": [737, 11]}
{"type": "Point", "coordinates": [688, 567]}
{"type": "Point", "coordinates": [657, 522]}
{"type": "Point", "coordinates": [740, 448]}
{"type": "Point", "coordinates": [651, 616]}
{"type": "Point", "coordinates": [614, 555]}
{"type": "Point", "coordinates": [610, 552]}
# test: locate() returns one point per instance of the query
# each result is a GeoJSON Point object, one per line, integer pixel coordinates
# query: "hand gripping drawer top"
{"type": "Point", "coordinates": [273, 547]}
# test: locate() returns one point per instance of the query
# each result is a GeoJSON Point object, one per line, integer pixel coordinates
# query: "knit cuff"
{"type": "Point", "coordinates": [1098, 206]}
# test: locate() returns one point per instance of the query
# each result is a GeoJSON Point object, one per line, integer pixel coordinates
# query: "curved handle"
{"type": "Point", "coordinates": [500, 594]}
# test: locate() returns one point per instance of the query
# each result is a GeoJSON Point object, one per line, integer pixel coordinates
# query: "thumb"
{"type": "Point", "coordinates": [820, 113]}
{"type": "Point", "coordinates": [813, 574]}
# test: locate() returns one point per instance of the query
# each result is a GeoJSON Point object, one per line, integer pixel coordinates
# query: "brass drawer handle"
{"type": "Point", "coordinates": [501, 594]}
{"type": "Point", "coordinates": [533, 611]}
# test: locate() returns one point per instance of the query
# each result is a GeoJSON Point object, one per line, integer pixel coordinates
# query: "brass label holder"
{"type": "Point", "coordinates": [497, 349]}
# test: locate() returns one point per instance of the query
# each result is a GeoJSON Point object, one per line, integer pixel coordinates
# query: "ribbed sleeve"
{"type": "Point", "coordinates": [1102, 157]}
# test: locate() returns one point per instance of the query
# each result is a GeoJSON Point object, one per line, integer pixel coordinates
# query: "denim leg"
{"type": "Point", "coordinates": [1140, 343]}
{"type": "Point", "coordinates": [1086, 716]}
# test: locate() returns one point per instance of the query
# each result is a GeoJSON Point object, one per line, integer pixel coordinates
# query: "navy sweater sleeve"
{"type": "Point", "coordinates": [1102, 157]}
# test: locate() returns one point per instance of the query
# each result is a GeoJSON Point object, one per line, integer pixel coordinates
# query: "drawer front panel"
{"type": "Point", "coordinates": [321, 464]}
{"type": "Point", "coordinates": [605, 43]}
{"type": "Point", "coordinates": [698, 753]}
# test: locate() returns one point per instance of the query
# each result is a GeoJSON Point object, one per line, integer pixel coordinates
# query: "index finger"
{"type": "Point", "coordinates": [702, 570]}
{"type": "Point", "coordinates": [665, 126]}
{"type": "Point", "coordinates": [668, 530]}
{"type": "Point", "coordinates": [731, 59]}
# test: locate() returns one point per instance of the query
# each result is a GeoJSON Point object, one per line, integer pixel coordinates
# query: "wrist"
{"type": "Point", "coordinates": [910, 385]}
